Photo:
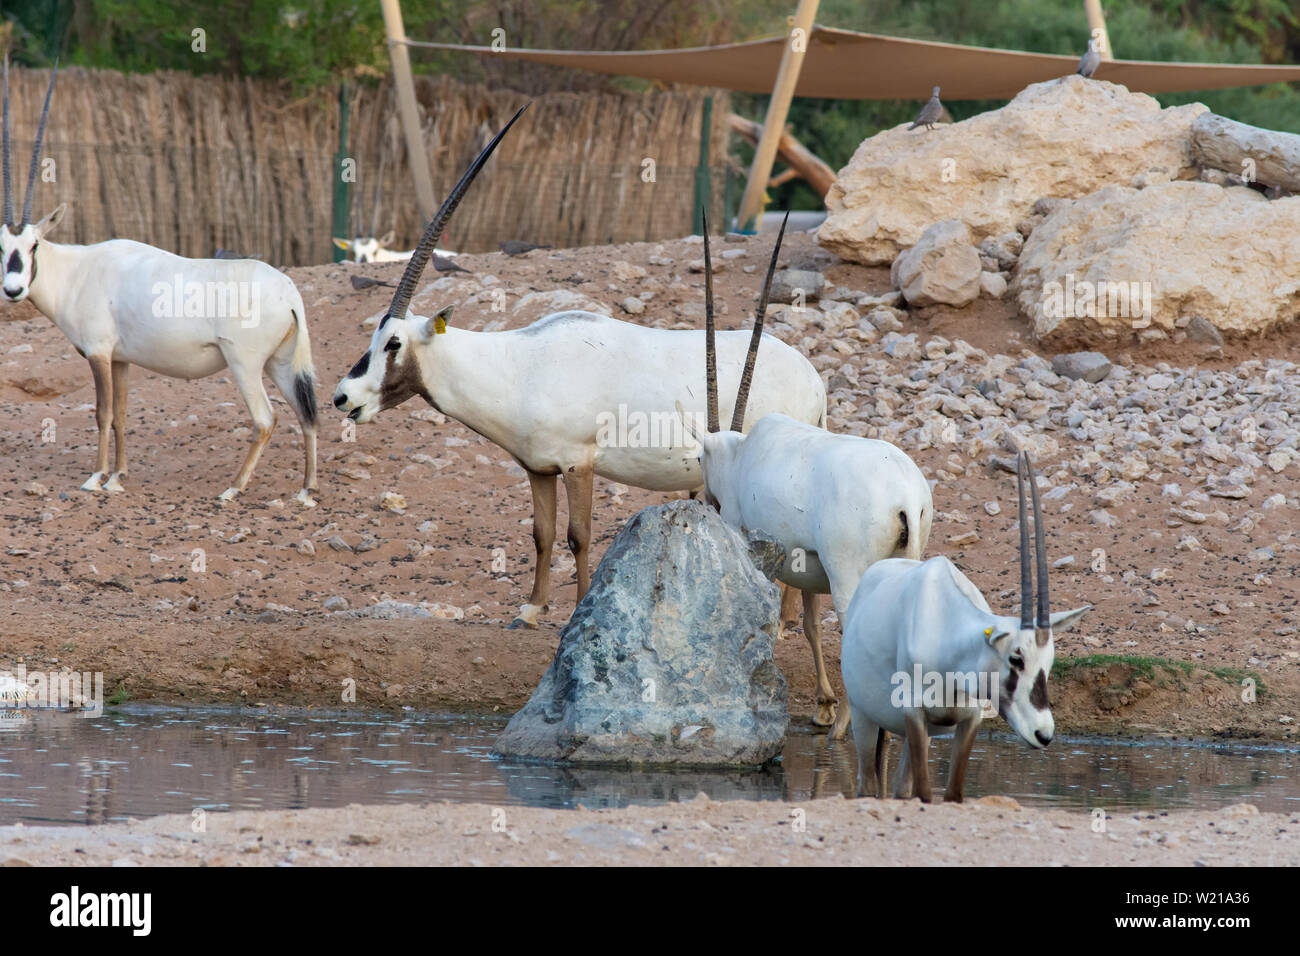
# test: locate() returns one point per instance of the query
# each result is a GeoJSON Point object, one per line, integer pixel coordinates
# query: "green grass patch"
{"type": "Point", "coordinates": [1148, 667]}
{"type": "Point", "coordinates": [119, 696]}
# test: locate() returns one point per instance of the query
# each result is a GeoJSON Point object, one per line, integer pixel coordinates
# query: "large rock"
{"type": "Point", "coordinates": [1124, 264]}
{"type": "Point", "coordinates": [943, 268]}
{"type": "Point", "coordinates": [668, 659]}
{"type": "Point", "coordinates": [1066, 137]}
{"type": "Point", "coordinates": [1221, 143]}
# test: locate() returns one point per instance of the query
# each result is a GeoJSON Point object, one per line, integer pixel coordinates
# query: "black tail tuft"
{"type": "Point", "coordinates": [304, 393]}
{"type": "Point", "coordinates": [903, 534]}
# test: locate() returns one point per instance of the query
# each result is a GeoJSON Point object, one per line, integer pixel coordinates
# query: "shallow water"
{"type": "Point", "coordinates": [141, 761]}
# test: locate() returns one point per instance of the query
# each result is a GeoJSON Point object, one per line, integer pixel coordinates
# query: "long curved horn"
{"type": "Point", "coordinates": [36, 149]}
{"type": "Point", "coordinates": [1026, 581]}
{"type": "Point", "coordinates": [742, 395]}
{"type": "Point", "coordinates": [9, 192]}
{"type": "Point", "coordinates": [420, 257]}
{"type": "Point", "coordinates": [710, 329]}
{"type": "Point", "coordinates": [1043, 623]}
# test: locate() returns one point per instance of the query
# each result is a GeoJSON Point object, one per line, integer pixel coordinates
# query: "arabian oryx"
{"type": "Point", "coordinates": [551, 394]}
{"type": "Point", "coordinates": [922, 653]}
{"type": "Point", "coordinates": [837, 503]}
{"type": "Point", "coordinates": [123, 303]}
{"type": "Point", "coordinates": [370, 249]}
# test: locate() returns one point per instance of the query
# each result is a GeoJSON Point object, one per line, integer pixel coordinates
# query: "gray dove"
{"type": "Point", "coordinates": [517, 247]}
{"type": "Point", "coordinates": [445, 264]}
{"type": "Point", "coordinates": [1090, 61]}
{"type": "Point", "coordinates": [930, 112]}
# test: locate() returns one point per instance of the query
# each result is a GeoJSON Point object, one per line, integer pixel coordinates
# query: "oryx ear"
{"type": "Point", "coordinates": [389, 237]}
{"type": "Point", "coordinates": [1064, 620]}
{"type": "Point", "coordinates": [997, 638]}
{"type": "Point", "coordinates": [342, 244]}
{"type": "Point", "coordinates": [436, 324]}
{"type": "Point", "coordinates": [46, 225]}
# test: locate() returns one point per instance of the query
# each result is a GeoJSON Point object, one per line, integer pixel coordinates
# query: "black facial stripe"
{"type": "Point", "coordinates": [362, 366]}
{"type": "Point", "coordinates": [1038, 695]}
{"type": "Point", "coordinates": [1012, 680]}
{"type": "Point", "coordinates": [15, 262]}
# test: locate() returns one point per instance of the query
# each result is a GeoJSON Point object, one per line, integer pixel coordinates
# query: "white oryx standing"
{"type": "Point", "coordinates": [575, 394]}
{"type": "Point", "coordinates": [837, 503]}
{"type": "Point", "coordinates": [923, 653]}
{"type": "Point", "coordinates": [123, 303]}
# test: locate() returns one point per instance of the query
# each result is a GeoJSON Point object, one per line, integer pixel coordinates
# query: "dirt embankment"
{"type": "Point", "coordinates": [177, 597]}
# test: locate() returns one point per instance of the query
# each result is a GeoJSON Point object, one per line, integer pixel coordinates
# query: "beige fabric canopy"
{"type": "Point", "coordinates": [843, 64]}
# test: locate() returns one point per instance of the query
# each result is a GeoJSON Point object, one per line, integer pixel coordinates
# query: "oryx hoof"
{"type": "Point", "coordinates": [527, 616]}
{"type": "Point", "coordinates": [94, 483]}
{"type": "Point", "coordinates": [228, 495]}
{"type": "Point", "coordinates": [305, 499]}
{"type": "Point", "coordinates": [517, 623]}
{"type": "Point", "coordinates": [114, 482]}
{"type": "Point", "coordinates": [825, 715]}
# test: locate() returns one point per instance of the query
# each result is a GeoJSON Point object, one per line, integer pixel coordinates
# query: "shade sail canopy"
{"type": "Point", "coordinates": [843, 64]}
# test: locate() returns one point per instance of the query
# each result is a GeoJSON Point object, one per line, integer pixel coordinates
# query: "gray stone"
{"type": "Point", "coordinates": [1089, 366]}
{"type": "Point", "coordinates": [679, 611]}
{"type": "Point", "coordinates": [633, 306]}
{"type": "Point", "coordinates": [1201, 329]}
{"type": "Point", "coordinates": [788, 283]}
{"type": "Point", "coordinates": [388, 611]}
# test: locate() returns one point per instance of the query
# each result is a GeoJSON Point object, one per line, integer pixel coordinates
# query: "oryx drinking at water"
{"type": "Point", "coordinates": [124, 303]}
{"type": "Point", "coordinates": [546, 393]}
{"type": "Point", "coordinates": [912, 625]}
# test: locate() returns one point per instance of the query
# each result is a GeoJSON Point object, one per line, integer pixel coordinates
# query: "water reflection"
{"type": "Point", "coordinates": [137, 761]}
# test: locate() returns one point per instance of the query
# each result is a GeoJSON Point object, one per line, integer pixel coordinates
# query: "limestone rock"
{"type": "Point", "coordinates": [1063, 138]}
{"type": "Point", "coordinates": [788, 284]}
{"type": "Point", "coordinates": [1222, 144]}
{"type": "Point", "coordinates": [942, 268]}
{"type": "Point", "coordinates": [1123, 262]}
{"type": "Point", "coordinates": [668, 659]}
{"type": "Point", "coordinates": [1089, 366]}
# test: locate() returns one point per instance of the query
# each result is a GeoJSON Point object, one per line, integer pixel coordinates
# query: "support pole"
{"type": "Point", "coordinates": [406, 107]}
{"type": "Point", "coordinates": [778, 108]}
{"type": "Point", "coordinates": [1097, 22]}
{"type": "Point", "coordinates": [340, 200]}
{"type": "Point", "coordinates": [703, 186]}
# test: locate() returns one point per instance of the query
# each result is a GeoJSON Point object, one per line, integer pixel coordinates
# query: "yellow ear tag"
{"type": "Point", "coordinates": [439, 326]}
{"type": "Point", "coordinates": [988, 632]}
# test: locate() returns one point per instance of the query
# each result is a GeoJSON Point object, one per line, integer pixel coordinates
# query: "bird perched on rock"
{"type": "Point", "coordinates": [365, 282]}
{"type": "Point", "coordinates": [443, 264]}
{"type": "Point", "coordinates": [517, 247]}
{"type": "Point", "coordinates": [930, 112]}
{"type": "Point", "coordinates": [1090, 61]}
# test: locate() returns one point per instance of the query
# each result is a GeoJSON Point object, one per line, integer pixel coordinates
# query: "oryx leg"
{"type": "Point", "coordinates": [962, 741]}
{"type": "Point", "coordinates": [812, 628]}
{"type": "Point", "coordinates": [918, 745]}
{"type": "Point", "coordinates": [867, 739]}
{"type": "Point", "coordinates": [120, 385]}
{"type": "Point", "coordinates": [543, 488]}
{"type": "Point", "coordinates": [903, 775]}
{"type": "Point", "coordinates": [577, 488]}
{"type": "Point", "coordinates": [249, 382]}
{"type": "Point", "coordinates": [789, 609]}
{"type": "Point", "coordinates": [101, 369]}
{"type": "Point", "coordinates": [280, 368]}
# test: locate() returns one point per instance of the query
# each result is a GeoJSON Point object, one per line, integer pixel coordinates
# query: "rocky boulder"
{"type": "Point", "coordinates": [1066, 137]}
{"type": "Point", "coordinates": [943, 268]}
{"type": "Point", "coordinates": [1125, 264]}
{"type": "Point", "coordinates": [668, 659]}
{"type": "Point", "coordinates": [1258, 155]}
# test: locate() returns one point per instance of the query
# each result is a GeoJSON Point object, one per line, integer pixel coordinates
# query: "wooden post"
{"type": "Point", "coordinates": [703, 186]}
{"type": "Point", "coordinates": [407, 108]}
{"type": "Point", "coordinates": [1096, 22]}
{"type": "Point", "coordinates": [778, 108]}
{"type": "Point", "coordinates": [340, 200]}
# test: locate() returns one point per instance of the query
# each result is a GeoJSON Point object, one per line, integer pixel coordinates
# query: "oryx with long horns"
{"type": "Point", "coordinates": [123, 303]}
{"type": "Point", "coordinates": [923, 654]}
{"type": "Point", "coordinates": [837, 503]}
{"type": "Point", "coordinates": [556, 395]}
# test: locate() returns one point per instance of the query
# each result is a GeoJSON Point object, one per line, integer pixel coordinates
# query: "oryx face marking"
{"type": "Point", "coordinates": [1022, 698]}
{"type": "Point", "coordinates": [18, 253]}
{"type": "Point", "coordinates": [389, 372]}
